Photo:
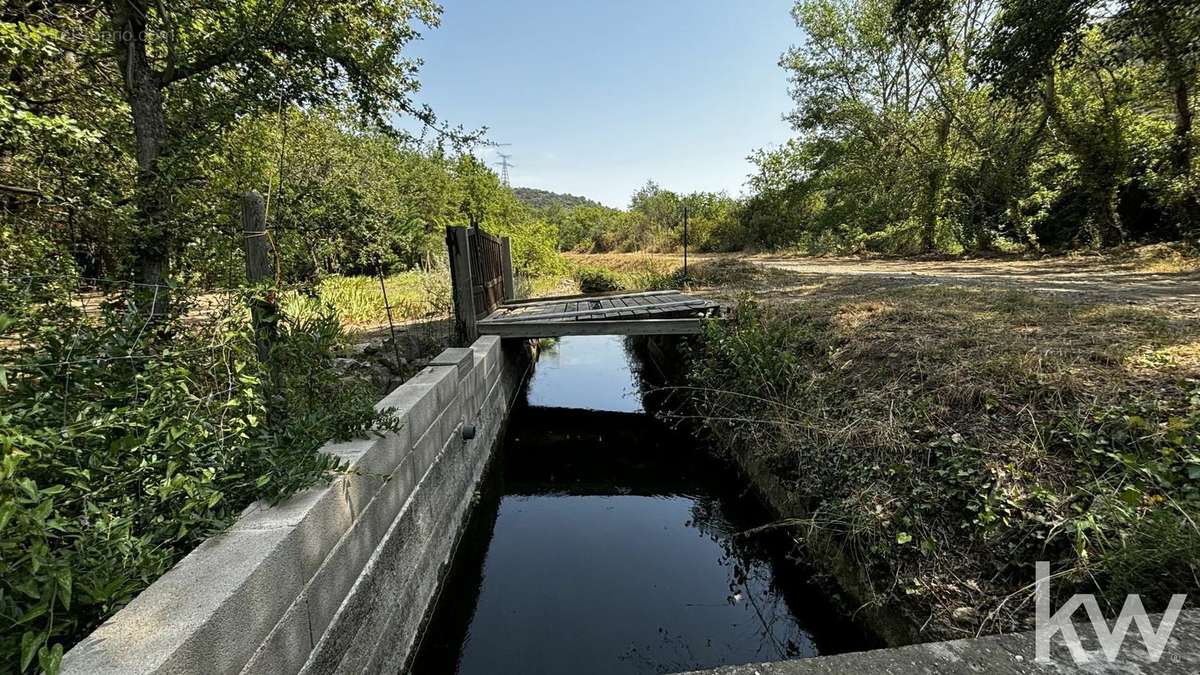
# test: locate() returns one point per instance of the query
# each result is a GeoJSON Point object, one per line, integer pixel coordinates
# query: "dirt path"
{"type": "Point", "coordinates": [1097, 279]}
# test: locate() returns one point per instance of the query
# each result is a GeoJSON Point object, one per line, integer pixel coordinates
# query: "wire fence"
{"type": "Point", "coordinates": [413, 321]}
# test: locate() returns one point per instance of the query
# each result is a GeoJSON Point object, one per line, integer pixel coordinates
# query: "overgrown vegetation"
{"type": "Point", "coordinates": [653, 222]}
{"type": "Point", "coordinates": [947, 438]}
{"type": "Point", "coordinates": [963, 125]}
{"type": "Point", "coordinates": [137, 418]}
{"type": "Point", "coordinates": [359, 301]}
{"type": "Point", "coordinates": [125, 443]}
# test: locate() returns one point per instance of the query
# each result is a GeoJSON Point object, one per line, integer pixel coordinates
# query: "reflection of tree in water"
{"type": "Point", "coordinates": [752, 581]}
{"type": "Point", "coordinates": [670, 654]}
{"type": "Point", "coordinates": [771, 632]}
{"type": "Point", "coordinates": [648, 375]}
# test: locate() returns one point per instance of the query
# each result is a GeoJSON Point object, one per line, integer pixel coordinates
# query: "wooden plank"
{"type": "Point", "coordinates": [578, 313]}
{"type": "Point", "coordinates": [621, 306]}
{"type": "Point", "coordinates": [533, 310]}
{"type": "Point", "coordinates": [583, 296]}
{"type": "Point", "coordinates": [536, 329]}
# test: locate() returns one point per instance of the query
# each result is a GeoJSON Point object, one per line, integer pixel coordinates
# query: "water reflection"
{"type": "Point", "coordinates": [606, 543]}
{"type": "Point", "coordinates": [588, 372]}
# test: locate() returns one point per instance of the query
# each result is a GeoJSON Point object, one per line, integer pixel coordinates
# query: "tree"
{"type": "Point", "coordinates": [187, 66]}
{"type": "Point", "coordinates": [480, 189]}
{"type": "Point", "coordinates": [1034, 40]}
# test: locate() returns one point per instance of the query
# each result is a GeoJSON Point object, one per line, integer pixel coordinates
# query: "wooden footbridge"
{"type": "Point", "coordinates": [485, 302]}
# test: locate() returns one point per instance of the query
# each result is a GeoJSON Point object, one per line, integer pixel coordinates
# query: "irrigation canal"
{"type": "Point", "coordinates": [606, 542]}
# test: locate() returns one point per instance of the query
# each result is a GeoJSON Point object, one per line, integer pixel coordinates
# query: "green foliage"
{"type": "Point", "coordinates": [123, 445]}
{"type": "Point", "coordinates": [1043, 125]}
{"type": "Point", "coordinates": [352, 200]}
{"type": "Point", "coordinates": [654, 222]}
{"type": "Point", "coordinates": [360, 300]}
{"type": "Point", "coordinates": [540, 200]}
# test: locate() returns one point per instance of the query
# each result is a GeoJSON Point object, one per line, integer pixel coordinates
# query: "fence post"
{"type": "Point", "coordinates": [459, 249]}
{"type": "Point", "coordinates": [259, 268]}
{"type": "Point", "coordinates": [506, 269]}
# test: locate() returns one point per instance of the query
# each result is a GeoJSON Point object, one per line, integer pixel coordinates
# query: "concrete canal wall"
{"type": "Point", "coordinates": [337, 578]}
{"type": "Point", "coordinates": [1009, 654]}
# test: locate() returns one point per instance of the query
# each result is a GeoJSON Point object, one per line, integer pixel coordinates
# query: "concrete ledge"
{"type": "Point", "coordinates": [1011, 653]}
{"type": "Point", "coordinates": [462, 358]}
{"type": "Point", "coordinates": [297, 586]}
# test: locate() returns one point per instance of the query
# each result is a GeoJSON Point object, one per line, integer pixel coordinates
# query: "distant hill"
{"type": "Point", "coordinates": [544, 198]}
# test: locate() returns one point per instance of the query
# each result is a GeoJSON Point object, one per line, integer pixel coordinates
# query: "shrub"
{"type": "Point", "coordinates": [598, 280]}
{"type": "Point", "coordinates": [125, 444]}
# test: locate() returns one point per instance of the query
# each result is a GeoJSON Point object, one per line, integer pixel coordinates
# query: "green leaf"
{"type": "Point", "coordinates": [29, 646]}
{"type": "Point", "coordinates": [64, 588]}
{"type": "Point", "coordinates": [1131, 496]}
{"type": "Point", "coordinates": [29, 487]}
{"type": "Point", "coordinates": [50, 660]}
{"type": "Point", "coordinates": [903, 537]}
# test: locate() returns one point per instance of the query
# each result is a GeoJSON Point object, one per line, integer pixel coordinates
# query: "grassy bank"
{"type": "Point", "coordinates": [930, 437]}
{"type": "Point", "coordinates": [949, 437]}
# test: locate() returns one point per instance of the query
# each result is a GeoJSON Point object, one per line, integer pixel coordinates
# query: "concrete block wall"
{"type": "Point", "coordinates": [337, 578]}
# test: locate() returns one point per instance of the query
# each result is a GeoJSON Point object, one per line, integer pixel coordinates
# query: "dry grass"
{"type": "Point", "coordinates": [947, 433]}
{"type": "Point", "coordinates": [662, 263]}
{"type": "Point", "coordinates": [1156, 258]}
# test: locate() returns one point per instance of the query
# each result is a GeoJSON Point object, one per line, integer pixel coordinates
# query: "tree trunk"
{"type": "Point", "coordinates": [1181, 156]}
{"type": "Point", "coordinates": [1114, 231]}
{"type": "Point", "coordinates": [143, 92]}
{"type": "Point", "coordinates": [933, 189]}
{"type": "Point", "coordinates": [1183, 129]}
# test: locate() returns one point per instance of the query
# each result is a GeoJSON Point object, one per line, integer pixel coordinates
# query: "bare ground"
{"type": "Point", "coordinates": [1160, 276]}
{"type": "Point", "coordinates": [1093, 278]}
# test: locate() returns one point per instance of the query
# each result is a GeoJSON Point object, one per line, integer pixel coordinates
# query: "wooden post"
{"type": "Point", "coordinates": [685, 243]}
{"type": "Point", "coordinates": [459, 249]}
{"type": "Point", "coordinates": [259, 268]}
{"type": "Point", "coordinates": [506, 270]}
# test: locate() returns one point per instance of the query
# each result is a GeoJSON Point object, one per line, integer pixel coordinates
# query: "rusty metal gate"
{"type": "Point", "coordinates": [481, 273]}
{"type": "Point", "coordinates": [487, 280]}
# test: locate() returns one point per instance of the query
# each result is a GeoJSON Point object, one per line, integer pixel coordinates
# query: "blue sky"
{"type": "Point", "coordinates": [597, 97]}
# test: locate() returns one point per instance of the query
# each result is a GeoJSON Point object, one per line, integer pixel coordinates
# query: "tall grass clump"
{"type": "Point", "coordinates": [359, 300]}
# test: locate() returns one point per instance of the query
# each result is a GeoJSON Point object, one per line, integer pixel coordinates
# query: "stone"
{"type": "Point", "coordinates": [967, 616]}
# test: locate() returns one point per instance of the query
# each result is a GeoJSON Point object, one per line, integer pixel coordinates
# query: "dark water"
{"type": "Point", "coordinates": [606, 543]}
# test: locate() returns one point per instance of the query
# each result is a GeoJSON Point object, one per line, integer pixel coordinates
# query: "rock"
{"type": "Point", "coordinates": [360, 350]}
{"type": "Point", "coordinates": [967, 616]}
{"type": "Point", "coordinates": [343, 364]}
{"type": "Point", "coordinates": [389, 361]}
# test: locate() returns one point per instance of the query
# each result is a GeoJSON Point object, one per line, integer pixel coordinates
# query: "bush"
{"type": "Point", "coordinates": [598, 280]}
{"type": "Point", "coordinates": [124, 444]}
